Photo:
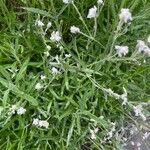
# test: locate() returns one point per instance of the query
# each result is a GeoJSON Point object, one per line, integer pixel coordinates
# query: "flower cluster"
{"type": "Point", "coordinates": [125, 15]}
{"type": "Point", "coordinates": [138, 110]}
{"type": "Point", "coordinates": [74, 29]}
{"type": "Point", "coordinates": [55, 36]}
{"type": "Point", "coordinates": [40, 123]}
{"type": "Point", "coordinates": [19, 110]}
{"type": "Point", "coordinates": [109, 135]}
{"type": "Point", "coordinates": [39, 23]}
{"type": "Point", "coordinates": [93, 133]}
{"type": "Point", "coordinates": [67, 1]}
{"type": "Point", "coordinates": [39, 86]}
{"type": "Point", "coordinates": [142, 47]}
{"type": "Point", "coordinates": [122, 50]}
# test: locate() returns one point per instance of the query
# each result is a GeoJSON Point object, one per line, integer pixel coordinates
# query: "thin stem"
{"type": "Point", "coordinates": [81, 18]}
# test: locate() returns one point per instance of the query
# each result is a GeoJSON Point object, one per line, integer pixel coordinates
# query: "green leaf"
{"type": "Point", "coordinates": [5, 97]}
{"type": "Point", "coordinates": [20, 75]}
{"type": "Point", "coordinates": [38, 11]}
{"type": "Point", "coordinates": [70, 130]}
{"type": "Point", "coordinates": [18, 92]}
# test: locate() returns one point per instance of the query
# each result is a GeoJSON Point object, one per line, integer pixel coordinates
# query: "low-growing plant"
{"type": "Point", "coordinates": [74, 74]}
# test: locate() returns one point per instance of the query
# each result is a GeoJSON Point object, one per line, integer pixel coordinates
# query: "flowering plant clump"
{"type": "Point", "coordinates": [74, 74]}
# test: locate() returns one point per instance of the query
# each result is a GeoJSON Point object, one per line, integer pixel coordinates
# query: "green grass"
{"type": "Point", "coordinates": [73, 97]}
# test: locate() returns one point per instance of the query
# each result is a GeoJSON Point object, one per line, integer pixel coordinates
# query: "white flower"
{"type": "Point", "coordinates": [112, 93]}
{"type": "Point", "coordinates": [39, 23]}
{"type": "Point", "coordinates": [125, 15]}
{"type": "Point", "coordinates": [92, 12]}
{"type": "Point", "coordinates": [138, 111]}
{"type": "Point", "coordinates": [43, 77]}
{"type": "Point", "coordinates": [110, 133]}
{"type": "Point", "coordinates": [46, 53]}
{"type": "Point", "coordinates": [122, 50]}
{"type": "Point", "coordinates": [13, 109]}
{"type": "Point", "coordinates": [21, 111]}
{"type": "Point", "coordinates": [67, 55]}
{"type": "Point", "coordinates": [48, 47]}
{"type": "Point", "coordinates": [49, 24]}
{"type": "Point", "coordinates": [40, 123]}
{"type": "Point", "coordinates": [61, 48]}
{"type": "Point", "coordinates": [36, 121]}
{"type": "Point", "coordinates": [93, 133]}
{"type": "Point", "coordinates": [54, 70]}
{"type": "Point", "coordinates": [55, 36]}
{"type": "Point", "coordinates": [38, 86]}
{"type": "Point", "coordinates": [148, 39]}
{"type": "Point", "coordinates": [96, 130]}
{"type": "Point", "coordinates": [66, 1]}
{"type": "Point", "coordinates": [142, 47]}
{"type": "Point", "coordinates": [74, 29]}
{"type": "Point", "coordinates": [43, 123]}
{"type": "Point", "coordinates": [99, 2]}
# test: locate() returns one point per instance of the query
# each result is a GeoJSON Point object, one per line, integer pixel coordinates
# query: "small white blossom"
{"type": "Point", "coordinates": [125, 15]}
{"type": "Point", "coordinates": [49, 24]}
{"type": "Point", "coordinates": [92, 12]}
{"type": "Point", "coordinates": [93, 133]}
{"type": "Point", "coordinates": [48, 47]}
{"type": "Point", "coordinates": [142, 47]}
{"type": "Point", "coordinates": [36, 121]}
{"type": "Point", "coordinates": [74, 29]}
{"type": "Point", "coordinates": [46, 53]}
{"type": "Point", "coordinates": [122, 50]}
{"type": "Point", "coordinates": [100, 2]}
{"type": "Point", "coordinates": [40, 123]}
{"type": "Point", "coordinates": [55, 36]}
{"type": "Point", "coordinates": [21, 111]}
{"type": "Point", "coordinates": [43, 77]}
{"type": "Point", "coordinates": [38, 86]}
{"type": "Point", "coordinates": [138, 111]}
{"type": "Point", "coordinates": [96, 130]}
{"type": "Point", "coordinates": [66, 1]}
{"type": "Point", "coordinates": [112, 93]}
{"type": "Point", "coordinates": [39, 23]}
{"type": "Point", "coordinates": [61, 48]}
{"type": "Point", "coordinates": [13, 109]}
{"type": "Point", "coordinates": [43, 123]}
{"type": "Point", "coordinates": [110, 133]}
{"type": "Point", "coordinates": [67, 55]}
{"type": "Point", "coordinates": [54, 70]}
